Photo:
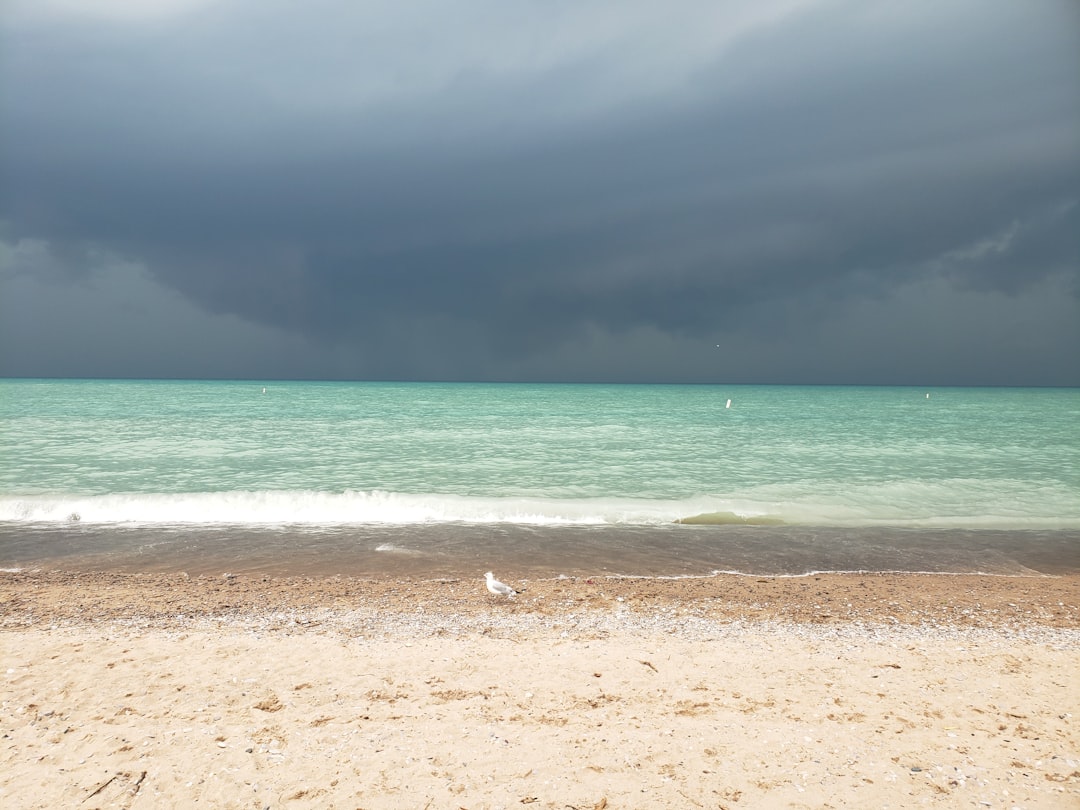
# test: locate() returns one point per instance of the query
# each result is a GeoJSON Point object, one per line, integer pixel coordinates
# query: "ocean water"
{"type": "Point", "coordinates": [431, 479]}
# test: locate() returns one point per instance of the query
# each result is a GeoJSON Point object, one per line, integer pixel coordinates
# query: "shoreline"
{"type": "Point", "coordinates": [145, 691]}
{"type": "Point", "coordinates": [462, 550]}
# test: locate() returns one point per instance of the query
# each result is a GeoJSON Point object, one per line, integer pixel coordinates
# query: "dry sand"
{"type": "Point", "coordinates": [894, 691]}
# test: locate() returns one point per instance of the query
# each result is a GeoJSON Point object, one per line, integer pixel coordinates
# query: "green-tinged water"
{"type": "Point", "coordinates": [367, 457]}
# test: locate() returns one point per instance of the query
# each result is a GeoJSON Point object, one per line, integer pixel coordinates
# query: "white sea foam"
{"type": "Point", "coordinates": [393, 548]}
{"type": "Point", "coordinates": [309, 508]}
{"type": "Point", "coordinates": [324, 508]}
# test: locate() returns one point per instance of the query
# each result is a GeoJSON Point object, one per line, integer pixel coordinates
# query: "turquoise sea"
{"type": "Point", "coordinates": [432, 479]}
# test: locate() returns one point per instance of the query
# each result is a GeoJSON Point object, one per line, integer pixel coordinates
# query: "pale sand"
{"type": "Point", "coordinates": [837, 691]}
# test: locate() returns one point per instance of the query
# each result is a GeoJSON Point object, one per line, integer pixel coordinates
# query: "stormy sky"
{"type": "Point", "coordinates": [788, 191]}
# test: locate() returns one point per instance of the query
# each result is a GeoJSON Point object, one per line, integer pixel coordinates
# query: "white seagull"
{"type": "Point", "coordinates": [498, 588]}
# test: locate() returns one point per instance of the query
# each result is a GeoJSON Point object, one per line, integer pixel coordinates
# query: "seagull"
{"type": "Point", "coordinates": [498, 588]}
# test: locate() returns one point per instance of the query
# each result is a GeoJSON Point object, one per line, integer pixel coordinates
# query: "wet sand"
{"type": "Point", "coordinates": [163, 690]}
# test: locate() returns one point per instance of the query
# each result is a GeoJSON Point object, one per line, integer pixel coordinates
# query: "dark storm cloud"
{"type": "Point", "coordinates": [476, 187]}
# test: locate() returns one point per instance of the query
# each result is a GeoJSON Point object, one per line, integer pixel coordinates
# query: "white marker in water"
{"type": "Point", "coordinates": [728, 404]}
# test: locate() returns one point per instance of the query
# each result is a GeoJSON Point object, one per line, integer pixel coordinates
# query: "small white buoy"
{"type": "Point", "coordinates": [264, 390]}
{"type": "Point", "coordinates": [928, 396]}
{"type": "Point", "coordinates": [728, 404]}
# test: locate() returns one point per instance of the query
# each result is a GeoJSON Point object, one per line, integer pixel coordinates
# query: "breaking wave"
{"type": "Point", "coordinates": [376, 507]}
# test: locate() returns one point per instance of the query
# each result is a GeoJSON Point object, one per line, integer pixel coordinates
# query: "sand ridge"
{"type": "Point", "coordinates": [48, 597]}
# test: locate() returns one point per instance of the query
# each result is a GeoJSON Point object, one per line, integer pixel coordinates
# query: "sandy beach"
{"type": "Point", "coordinates": [146, 691]}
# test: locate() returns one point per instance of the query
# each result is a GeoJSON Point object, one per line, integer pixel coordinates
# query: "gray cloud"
{"type": "Point", "coordinates": [495, 190]}
{"type": "Point", "coordinates": [115, 320]}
